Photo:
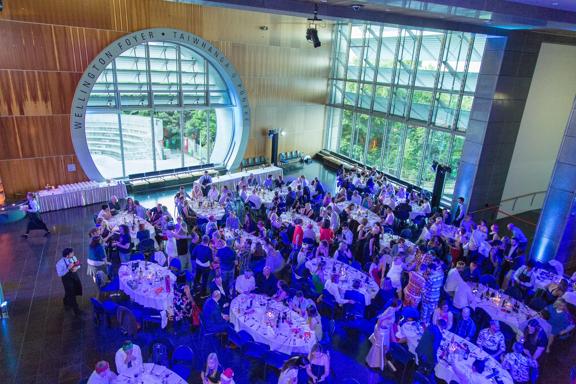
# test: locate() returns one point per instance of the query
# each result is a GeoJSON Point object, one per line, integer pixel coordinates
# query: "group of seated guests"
{"type": "Point", "coordinates": [215, 269]}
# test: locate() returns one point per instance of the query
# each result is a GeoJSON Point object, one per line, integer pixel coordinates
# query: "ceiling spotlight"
{"type": "Point", "coordinates": [312, 32]}
{"type": "Point", "coordinates": [312, 36]}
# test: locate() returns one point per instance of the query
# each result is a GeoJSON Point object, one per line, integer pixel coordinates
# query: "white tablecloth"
{"type": "Point", "coordinates": [506, 309]}
{"type": "Point", "coordinates": [368, 286]}
{"type": "Point", "coordinates": [133, 222]}
{"type": "Point", "coordinates": [205, 208]}
{"type": "Point", "coordinates": [147, 287]}
{"type": "Point", "coordinates": [153, 374]}
{"type": "Point", "coordinates": [544, 277]}
{"type": "Point", "coordinates": [386, 238]}
{"type": "Point", "coordinates": [232, 179]}
{"type": "Point", "coordinates": [359, 213]}
{"type": "Point", "coordinates": [288, 217]}
{"type": "Point", "coordinates": [455, 345]}
{"type": "Point", "coordinates": [80, 194]}
{"type": "Point", "coordinates": [240, 237]}
{"type": "Point", "coordinates": [258, 315]}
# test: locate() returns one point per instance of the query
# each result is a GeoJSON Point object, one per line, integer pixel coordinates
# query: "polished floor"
{"type": "Point", "coordinates": [42, 343]}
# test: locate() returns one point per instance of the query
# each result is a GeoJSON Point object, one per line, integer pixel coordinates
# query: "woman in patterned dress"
{"type": "Point", "coordinates": [183, 300]}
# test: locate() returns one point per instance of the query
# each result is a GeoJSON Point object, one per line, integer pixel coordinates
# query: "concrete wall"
{"type": "Point", "coordinates": [543, 123]}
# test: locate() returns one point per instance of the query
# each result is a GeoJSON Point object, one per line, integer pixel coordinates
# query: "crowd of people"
{"type": "Point", "coordinates": [423, 261]}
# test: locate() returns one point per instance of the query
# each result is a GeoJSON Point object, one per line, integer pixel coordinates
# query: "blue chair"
{"type": "Point", "coordinates": [175, 264]}
{"type": "Point", "coordinates": [183, 361]}
{"type": "Point", "coordinates": [400, 355]}
{"type": "Point", "coordinates": [105, 309]}
{"type": "Point", "coordinates": [240, 338]}
{"type": "Point", "coordinates": [489, 281]}
{"type": "Point", "coordinates": [137, 256]}
{"type": "Point", "coordinates": [160, 352]}
{"type": "Point", "coordinates": [255, 350]}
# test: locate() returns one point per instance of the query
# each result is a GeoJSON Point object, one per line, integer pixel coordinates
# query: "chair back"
{"type": "Point", "coordinates": [160, 352]}
{"type": "Point", "coordinates": [127, 321]}
{"type": "Point", "coordinates": [176, 264]}
{"type": "Point", "coordinates": [146, 246]}
{"type": "Point", "coordinates": [489, 281]}
{"type": "Point", "coordinates": [183, 353]}
{"type": "Point", "coordinates": [406, 233]}
{"type": "Point", "coordinates": [97, 306]}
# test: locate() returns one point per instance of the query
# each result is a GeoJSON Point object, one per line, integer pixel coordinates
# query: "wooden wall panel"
{"type": "Point", "coordinates": [36, 93]}
{"type": "Point", "coordinates": [47, 45]}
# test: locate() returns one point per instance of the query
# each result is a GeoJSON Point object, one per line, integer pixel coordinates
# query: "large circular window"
{"type": "Point", "coordinates": [155, 100]}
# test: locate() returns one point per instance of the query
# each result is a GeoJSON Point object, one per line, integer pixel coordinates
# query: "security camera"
{"type": "Point", "coordinates": [357, 7]}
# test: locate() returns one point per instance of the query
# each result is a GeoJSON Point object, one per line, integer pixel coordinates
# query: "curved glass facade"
{"type": "Point", "coordinates": [401, 97]}
{"type": "Point", "coordinates": [155, 107]}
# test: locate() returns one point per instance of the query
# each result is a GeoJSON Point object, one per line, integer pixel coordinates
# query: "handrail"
{"type": "Point", "coordinates": [515, 200]}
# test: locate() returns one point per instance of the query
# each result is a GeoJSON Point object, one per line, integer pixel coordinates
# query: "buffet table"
{"type": "Point", "coordinates": [230, 180]}
{"type": "Point", "coordinates": [149, 285]}
{"type": "Point", "coordinates": [368, 286]}
{"type": "Point", "coordinates": [151, 374]}
{"type": "Point", "coordinates": [79, 194]}
{"type": "Point", "coordinates": [506, 309]}
{"type": "Point", "coordinates": [457, 350]}
{"type": "Point", "coordinates": [272, 323]}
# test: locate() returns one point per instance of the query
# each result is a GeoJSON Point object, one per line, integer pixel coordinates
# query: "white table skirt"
{"type": "Point", "coordinates": [444, 371]}
{"type": "Point", "coordinates": [153, 374]}
{"type": "Point", "coordinates": [80, 194]}
{"type": "Point", "coordinates": [368, 287]}
{"type": "Point", "coordinates": [280, 339]}
{"type": "Point", "coordinates": [145, 294]}
{"type": "Point", "coordinates": [232, 179]}
{"type": "Point", "coordinates": [517, 321]}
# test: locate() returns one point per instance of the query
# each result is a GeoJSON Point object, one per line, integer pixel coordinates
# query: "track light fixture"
{"type": "Point", "coordinates": [312, 31]}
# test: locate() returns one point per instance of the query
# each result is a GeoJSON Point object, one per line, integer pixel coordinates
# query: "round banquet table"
{"type": "Point", "coordinates": [258, 315]}
{"type": "Point", "coordinates": [133, 222]}
{"type": "Point", "coordinates": [153, 374]}
{"type": "Point", "coordinates": [146, 284]}
{"type": "Point", "coordinates": [359, 213]}
{"type": "Point", "coordinates": [454, 345]}
{"type": "Point", "coordinates": [387, 238]}
{"type": "Point", "coordinates": [267, 196]}
{"type": "Point", "coordinates": [205, 208]}
{"type": "Point", "coordinates": [288, 217]}
{"type": "Point", "coordinates": [368, 286]}
{"type": "Point", "coordinates": [544, 277]}
{"type": "Point", "coordinates": [504, 308]}
{"type": "Point", "coordinates": [240, 237]}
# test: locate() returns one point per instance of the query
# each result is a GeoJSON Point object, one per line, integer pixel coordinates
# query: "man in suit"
{"type": "Point", "coordinates": [213, 318]}
{"type": "Point", "coordinates": [266, 282]}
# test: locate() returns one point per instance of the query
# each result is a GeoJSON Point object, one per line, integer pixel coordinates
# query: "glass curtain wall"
{"type": "Point", "coordinates": [400, 97]}
{"type": "Point", "coordinates": [154, 108]}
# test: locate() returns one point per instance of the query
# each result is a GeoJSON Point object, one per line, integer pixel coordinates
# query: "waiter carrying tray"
{"type": "Point", "coordinates": [32, 209]}
{"type": "Point", "coordinates": [67, 268]}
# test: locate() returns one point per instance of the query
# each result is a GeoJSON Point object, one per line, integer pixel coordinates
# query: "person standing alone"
{"type": "Point", "coordinates": [67, 268]}
{"type": "Point", "coordinates": [32, 209]}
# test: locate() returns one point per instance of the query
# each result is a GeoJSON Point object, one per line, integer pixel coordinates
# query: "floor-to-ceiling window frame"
{"type": "Point", "coordinates": [400, 97]}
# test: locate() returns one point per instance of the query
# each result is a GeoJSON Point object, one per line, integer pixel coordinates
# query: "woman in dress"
{"type": "Point", "coordinates": [130, 206]}
{"type": "Point", "coordinates": [124, 243]}
{"type": "Point", "coordinates": [172, 236]}
{"type": "Point", "coordinates": [197, 192]}
{"type": "Point", "coordinates": [380, 339]}
{"type": "Point", "coordinates": [395, 273]}
{"type": "Point", "coordinates": [314, 322]}
{"type": "Point", "coordinates": [183, 301]}
{"type": "Point", "coordinates": [560, 320]}
{"type": "Point", "coordinates": [326, 233]}
{"type": "Point", "coordinates": [323, 249]}
{"type": "Point", "coordinates": [319, 368]}
{"type": "Point", "coordinates": [443, 312]}
{"type": "Point", "coordinates": [211, 374]}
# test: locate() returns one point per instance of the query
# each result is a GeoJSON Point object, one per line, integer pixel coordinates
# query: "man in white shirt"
{"type": "Point", "coordinates": [32, 209]}
{"type": "Point", "coordinates": [356, 199]}
{"type": "Point", "coordinates": [454, 278]}
{"type": "Point", "coordinates": [255, 199]}
{"type": "Point", "coordinates": [347, 235]}
{"type": "Point", "coordinates": [463, 296]}
{"type": "Point", "coordinates": [102, 374]}
{"type": "Point", "coordinates": [105, 212]}
{"type": "Point", "coordinates": [129, 359]}
{"type": "Point", "coordinates": [67, 268]}
{"type": "Point", "coordinates": [245, 283]}
{"type": "Point", "coordinates": [410, 332]}
{"type": "Point", "coordinates": [332, 287]}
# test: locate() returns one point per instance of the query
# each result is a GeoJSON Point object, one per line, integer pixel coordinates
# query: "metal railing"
{"type": "Point", "coordinates": [513, 202]}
